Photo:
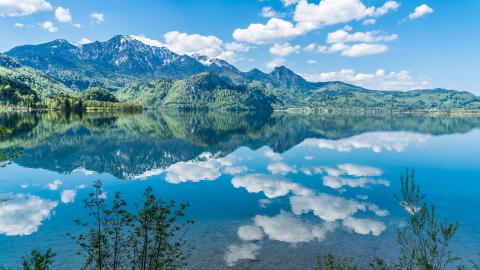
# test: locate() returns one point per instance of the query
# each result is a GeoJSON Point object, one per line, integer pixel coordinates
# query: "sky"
{"type": "Point", "coordinates": [378, 44]}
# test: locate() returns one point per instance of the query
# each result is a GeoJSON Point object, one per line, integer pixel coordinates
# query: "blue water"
{"type": "Point", "coordinates": [266, 192]}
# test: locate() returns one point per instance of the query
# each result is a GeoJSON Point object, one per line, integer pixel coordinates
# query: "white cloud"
{"type": "Point", "coordinates": [237, 47]}
{"type": "Point", "coordinates": [269, 12]}
{"type": "Point", "coordinates": [285, 227]}
{"type": "Point", "coordinates": [12, 8]}
{"type": "Point", "coordinates": [359, 170]}
{"type": "Point", "coordinates": [273, 186]}
{"type": "Point", "coordinates": [311, 61]}
{"type": "Point", "coordinates": [363, 49]}
{"type": "Point", "coordinates": [369, 21]}
{"type": "Point", "coordinates": [68, 196]}
{"type": "Point", "coordinates": [342, 36]}
{"type": "Point", "coordinates": [315, 47]}
{"type": "Point", "coordinates": [210, 46]}
{"type": "Point", "coordinates": [184, 43]}
{"type": "Point", "coordinates": [98, 17]}
{"type": "Point", "coordinates": [281, 168]}
{"type": "Point", "coordinates": [329, 12]}
{"type": "Point", "coordinates": [337, 182]}
{"type": "Point", "coordinates": [380, 80]}
{"type": "Point", "coordinates": [420, 11]}
{"type": "Point", "coordinates": [386, 8]}
{"type": "Point", "coordinates": [309, 17]}
{"type": "Point", "coordinates": [274, 30]}
{"type": "Point", "coordinates": [276, 62]}
{"type": "Point", "coordinates": [287, 3]}
{"type": "Point", "coordinates": [81, 169]}
{"type": "Point", "coordinates": [364, 226]}
{"type": "Point", "coordinates": [207, 167]}
{"type": "Point", "coordinates": [250, 233]}
{"type": "Point", "coordinates": [54, 184]}
{"type": "Point", "coordinates": [84, 41]}
{"type": "Point", "coordinates": [326, 207]}
{"type": "Point", "coordinates": [23, 214]}
{"type": "Point", "coordinates": [284, 49]}
{"type": "Point", "coordinates": [235, 253]}
{"type": "Point", "coordinates": [272, 155]}
{"type": "Point", "coordinates": [148, 41]}
{"type": "Point", "coordinates": [376, 141]}
{"type": "Point", "coordinates": [63, 15]}
{"type": "Point", "coordinates": [77, 25]}
{"type": "Point", "coordinates": [19, 25]}
{"type": "Point", "coordinates": [49, 26]}
{"type": "Point", "coordinates": [234, 170]}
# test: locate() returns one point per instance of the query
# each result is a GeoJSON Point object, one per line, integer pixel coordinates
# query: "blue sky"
{"type": "Point", "coordinates": [376, 44]}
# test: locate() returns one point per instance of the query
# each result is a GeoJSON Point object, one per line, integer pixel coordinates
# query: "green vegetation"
{"type": "Point", "coordinates": [16, 93]}
{"type": "Point", "coordinates": [203, 91]}
{"type": "Point", "coordinates": [424, 243]}
{"type": "Point", "coordinates": [118, 239]}
{"type": "Point", "coordinates": [37, 260]}
{"type": "Point", "coordinates": [99, 94]}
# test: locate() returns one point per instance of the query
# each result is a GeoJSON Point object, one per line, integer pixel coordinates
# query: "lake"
{"type": "Point", "coordinates": [265, 191]}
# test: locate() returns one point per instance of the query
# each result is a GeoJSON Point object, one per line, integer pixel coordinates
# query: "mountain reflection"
{"type": "Point", "coordinates": [140, 145]}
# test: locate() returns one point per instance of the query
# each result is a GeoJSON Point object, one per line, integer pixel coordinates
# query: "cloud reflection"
{"type": "Point", "coordinates": [23, 214]}
{"type": "Point", "coordinates": [376, 141]}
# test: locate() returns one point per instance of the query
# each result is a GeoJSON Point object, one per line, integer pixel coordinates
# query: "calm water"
{"type": "Point", "coordinates": [266, 192]}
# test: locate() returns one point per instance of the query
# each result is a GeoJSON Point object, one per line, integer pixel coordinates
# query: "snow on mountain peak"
{"type": "Point", "coordinates": [147, 41]}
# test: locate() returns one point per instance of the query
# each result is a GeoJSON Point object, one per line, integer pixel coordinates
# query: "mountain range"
{"type": "Point", "coordinates": [157, 77]}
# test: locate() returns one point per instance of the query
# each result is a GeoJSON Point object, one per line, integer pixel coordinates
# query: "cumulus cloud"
{"type": "Point", "coordinates": [63, 15]}
{"type": "Point", "coordinates": [98, 17]}
{"type": "Point", "coordinates": [369, 21]}
{"type": "Point", "coordinates": [276, 62]}
{"type": "Point", "coordinates": [272, 155]}
{"type": "Point", "coordinates": [273, 186]}
{"type": "Point", "coordinates": [54, 184]}
{"type": "Point", "coordinates": [376, 141]}
{"type": "Point", "coordinates": [288, 228]}
{"type": "Point", "coordinates": [308, 17]}
{"type": "Point", "coordinates": [342, 36]}
{"type": "Point", "coordinates": [184, 43]}
{"type": "Point", "coordinates": [359, 170]}
{"type": "Point", "coordinates": [287, 3]}
{"type": "Point", "coordinates": [205, 167]}
{"type": "Point", "coordinates": [15, 8]}
{"type": "Point", "coordinates": [330, 12]}
{"type": "Point", "coordinates": [19, 25]}
{"type": "Point", "coordinates": [23, 214]}
{"type": "Point", "coordinates": [379, 80]}
{"type": "Point", "coordinates": [237, 47]}
{"type": "Point", "coordinates": [68, 196]}
{"type": "Point", "coordinates": [235, 253]}
{"type": "Point", "coordinates": [337, 182]}
{"type": "Point", "coordinates": [49, 26]}
{"type": "Point", "coordinates": [363, 49]}
{"type": "Point", "coordinates": [326, 207]}
{"type": "Point", "coordinates": [210, 46]}
{"type": "Point", "coordinates": [420, 11]}
{"type": "Point", "coordinates": [364, 226]}
{"type": "Point", "coordinates": [269, 12]}
{"type": "Point", "coordinates": [250, 233]}
{"type": "Point", "coordinates": [311, 61]}
{"type": "Point", "coordinates": [284, 49]}
{"type": "Point", "coordinates": [273, 31]}
{"type": "Point", "coordinates": [281, 168]}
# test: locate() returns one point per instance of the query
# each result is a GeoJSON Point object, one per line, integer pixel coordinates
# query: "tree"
{"type": "Point", "coordinates": [99, 94]}
{"type": "Point", "coordinates": [117, 239]}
